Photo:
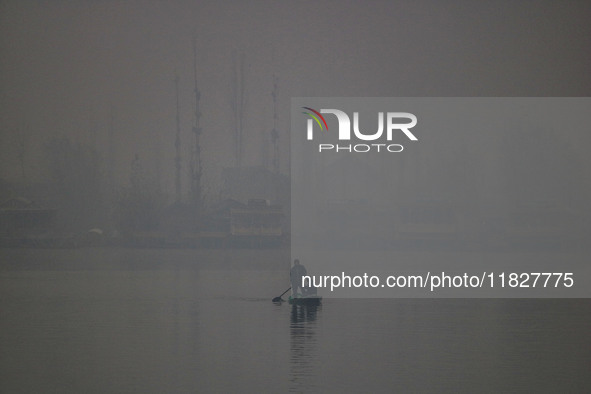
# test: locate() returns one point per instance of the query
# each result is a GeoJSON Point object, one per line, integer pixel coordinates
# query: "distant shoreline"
{"type": "Point", "coordinates": [117, 258]}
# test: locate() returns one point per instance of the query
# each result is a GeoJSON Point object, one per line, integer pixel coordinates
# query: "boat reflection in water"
{"type": "Point", "coordinates": [304, 360]}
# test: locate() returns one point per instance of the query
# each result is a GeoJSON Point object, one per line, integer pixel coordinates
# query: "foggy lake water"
{"type": "Point", "coordinates": [178, 123]}
{"type": "Point", "coordinates": [185, 321]}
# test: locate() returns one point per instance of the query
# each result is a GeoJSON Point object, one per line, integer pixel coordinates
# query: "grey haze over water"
{"type": "Point", "coordinates": [68, 68]}
{"type": "Point", "coordinates": [118, 319]}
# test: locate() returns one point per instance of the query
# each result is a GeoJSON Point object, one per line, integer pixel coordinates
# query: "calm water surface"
{"type": "Point", "coordinates": [162, 321]}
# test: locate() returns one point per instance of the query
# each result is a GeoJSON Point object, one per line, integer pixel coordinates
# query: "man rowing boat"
{"type": "Point", "coordinates": [295, 274]}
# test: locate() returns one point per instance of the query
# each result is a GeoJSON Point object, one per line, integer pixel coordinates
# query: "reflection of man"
{"type": "Point", "coordinates": [296, 273]}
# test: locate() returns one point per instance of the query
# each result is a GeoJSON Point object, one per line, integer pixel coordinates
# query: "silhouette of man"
{"type": "Point", "coordinates": [296, 274]}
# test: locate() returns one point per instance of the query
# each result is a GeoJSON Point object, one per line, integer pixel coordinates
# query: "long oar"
{"type": "Point", "coordinates": [278, 299]}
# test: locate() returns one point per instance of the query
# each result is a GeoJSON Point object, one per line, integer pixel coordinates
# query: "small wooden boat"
{"type": "Point", "coordinates": [299, 299]}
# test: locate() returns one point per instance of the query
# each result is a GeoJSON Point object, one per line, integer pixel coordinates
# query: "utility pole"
{"type": "Point", "coordinates": [196, 169]}
{"type": "Point", "coordinates": [177, 144]}
{"type": "Point", "coordinates": [238, 105]}
{"type": "Point", "coordinates": [111, 155]}
{"type": "Point", "coordinates": [275, 132]}
{"type": "Point", "coordinates": [21, 148]}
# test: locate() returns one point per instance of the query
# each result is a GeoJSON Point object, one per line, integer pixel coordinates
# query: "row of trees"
{"type": "Point", "coordinates": [85, 198]}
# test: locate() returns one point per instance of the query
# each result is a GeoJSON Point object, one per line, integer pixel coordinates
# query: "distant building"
{"type": "Point", "coordinates": [256, 223]}
{"type": "Point", "coordinates": [246, 183]}
{"type": "Point", "coordinates": [258, 183]}
{"type": "Point", "coordinates": [257, 219]}
{"type": "Point", "coordinates": [20, 217]}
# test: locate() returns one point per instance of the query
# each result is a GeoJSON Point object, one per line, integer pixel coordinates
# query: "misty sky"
{"type": "Point", "coordinates": [66, 65]}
